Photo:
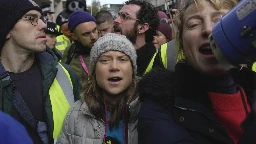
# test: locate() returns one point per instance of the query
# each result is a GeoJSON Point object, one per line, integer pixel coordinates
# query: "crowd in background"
{"type": "Point", "coordinates": [144, 76]}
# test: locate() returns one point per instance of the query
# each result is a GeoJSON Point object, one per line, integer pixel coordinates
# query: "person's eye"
{"type": "Point", "coordinates": [104, 61]}
{"type": "Point", "coordinates": [193, 25]}
{"type": "Point", "coordinates": [33, 18]}
{"type": "Point", "coordinates": [126, 16]}
{"type": "Point", "coordinates": [29, 17]}
{"type": "Point", "coordinates": [95, 30]}
{"type": "Point", "coordinates": [217, 18]}
{"type": "Point", "coordinates": [124, 59]}
{"type": "Point", "coordinates": [85, 34]}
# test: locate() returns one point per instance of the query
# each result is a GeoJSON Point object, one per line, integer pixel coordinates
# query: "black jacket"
{"type": "Point", "coordinates": [177, 109]}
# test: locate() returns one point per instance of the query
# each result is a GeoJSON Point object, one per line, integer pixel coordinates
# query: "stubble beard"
{"type": "Point", "coordinates": [132, 35]}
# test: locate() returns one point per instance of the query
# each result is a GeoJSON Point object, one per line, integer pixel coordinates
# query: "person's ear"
{"type": "Point", "coordinates": [142, 28]}
{"type": "Point", "coordinates": [8, 36]}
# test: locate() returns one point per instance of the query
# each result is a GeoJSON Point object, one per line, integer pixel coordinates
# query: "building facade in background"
{"type": "Point", "coordinates": [162, 5]}
{"type": "Point", "coordinates": [113, 8]}
{"type": "Point", "coordinates": [58, 5]}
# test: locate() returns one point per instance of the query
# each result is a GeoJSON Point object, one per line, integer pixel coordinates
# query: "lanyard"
{"type": "Point", "coordinates": [84, 65]}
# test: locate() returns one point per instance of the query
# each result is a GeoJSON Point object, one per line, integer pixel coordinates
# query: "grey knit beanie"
{"type": "Point", "coordinates": [113, 42]}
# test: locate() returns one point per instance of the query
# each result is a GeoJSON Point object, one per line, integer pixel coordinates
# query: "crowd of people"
{"type": "Point", "coordinates": [141, 77]}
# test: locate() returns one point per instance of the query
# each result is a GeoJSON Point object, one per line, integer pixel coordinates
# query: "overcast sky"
{"type": "Point", "coordinates": [102, 2]}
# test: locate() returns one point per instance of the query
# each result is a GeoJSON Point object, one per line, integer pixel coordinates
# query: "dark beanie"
{"type": "Point", "coordinates": [11, 11]}
{"type": "Point", "coordinates": [77, 18]}
{"type": "Point", "coordinates": [165, 29]}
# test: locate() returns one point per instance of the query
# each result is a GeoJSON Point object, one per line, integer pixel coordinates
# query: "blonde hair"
{"type": "Point", "coordinates": [179, 19]}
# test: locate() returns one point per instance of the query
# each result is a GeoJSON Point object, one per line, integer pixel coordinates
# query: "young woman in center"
{"type": "Point", "coordinates": [108, 110]}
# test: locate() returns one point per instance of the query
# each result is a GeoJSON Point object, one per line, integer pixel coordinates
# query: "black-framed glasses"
{"type": "Point", "coordinates": [126, 16]}
{"type": "Point", "coordinates": [33, 18]}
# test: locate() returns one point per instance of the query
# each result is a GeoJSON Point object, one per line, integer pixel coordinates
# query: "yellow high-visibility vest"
{"type": "Point", "coordinates": [62, 42]}
{"type": "Point", "coordinates": [150, 65]}
{"type": "Point", "coordinates": [254, 67]}
{"type": "Point", "coordinates": [169, 56]}
{"type": "Point", "coordinates": [62, 97]}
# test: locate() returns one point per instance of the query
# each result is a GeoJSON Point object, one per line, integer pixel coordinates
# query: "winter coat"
{"type": "Point", "coordinates": [177, 109]}
{"type": "Point", "coordinates": [11, 131]}
{"type": "Point", "coordinates": [82, 127]}
{"type": "Point", "coordinates": [47, 64]}
{"type": "Point", "coordinates": [76, 64]}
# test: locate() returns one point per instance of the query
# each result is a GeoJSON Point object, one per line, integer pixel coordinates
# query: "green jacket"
{"type": "Point", "coordinates": [47, 63]}
{"type": "Point", "coordinates": [76, 64]}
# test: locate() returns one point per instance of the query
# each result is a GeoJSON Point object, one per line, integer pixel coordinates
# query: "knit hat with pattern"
{"type": "Point", "coordinates": [113, 42]}
{"type": "Point", "coordinates": [11, 11]}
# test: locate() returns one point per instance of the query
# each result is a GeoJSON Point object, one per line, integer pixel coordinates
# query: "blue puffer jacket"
{"type": "Point", "coordinates": [11, 131]}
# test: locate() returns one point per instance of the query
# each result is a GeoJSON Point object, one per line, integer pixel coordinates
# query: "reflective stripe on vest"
{"type": "Point", "coordinates": [150, 65]}
{"type": "Point", "coordinates": [169, 55]}
{"type": "Point", "coordinates": [254, 67]}
{"type": "Point", "coordinates": [163, 54]}
{"type": "Point", "coordinates": [62, 42]}
{"type": "Point", "coordinates": [61, 96]}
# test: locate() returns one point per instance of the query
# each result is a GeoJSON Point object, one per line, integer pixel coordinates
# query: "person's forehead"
{"type": "Point", "coordinates": [105, 24]}
{"type": "Point", "coordinates": [204, 8]}
{"type": "Point", "coordinates": [86, 26]}
{"type": "Point", "coordinates": [130, 9]}
{"type": "Point", "coordinates": [113, 52]}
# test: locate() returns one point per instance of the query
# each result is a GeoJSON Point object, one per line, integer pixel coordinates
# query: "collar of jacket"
{"type": "Point", "coordinates": [47, 63]}
{"type": "Point", "coordinates": [81, 50]}
{"type": "Point", "coordinates": [133, 110]}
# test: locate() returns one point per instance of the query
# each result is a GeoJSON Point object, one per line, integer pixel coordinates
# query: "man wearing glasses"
{"type": "Point", "coordinates": [35, 89]}
{"type": "Point", "coordinates": [138, 21]}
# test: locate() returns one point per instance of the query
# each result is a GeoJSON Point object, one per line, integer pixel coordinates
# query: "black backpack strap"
{"type": "Point", "coordinates": [71, 53]}
{"type": "Point", "coordinates": [21, 107]}
{"type": "Point", "coordinates": [18, 101]}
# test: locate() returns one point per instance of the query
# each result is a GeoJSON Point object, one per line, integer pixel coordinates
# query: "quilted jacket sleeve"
{"type": "Point", "coordinates": [69, 124]}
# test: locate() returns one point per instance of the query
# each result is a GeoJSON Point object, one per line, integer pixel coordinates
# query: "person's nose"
{"type": "Point", "coordinates": [42, 25]}
{"type": "Point", "coordinates": [155, 38]}
{"type": "Point", "coordinates": [114, 66]}
{"type": "Point", "coordinates": [117, 20]}
{"type": "Point", "coordinates": [207, 28]}
{"type": "Point", "coordinates": [54, 40]}
{"type": "Point", "coordinates": [93, 35]}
